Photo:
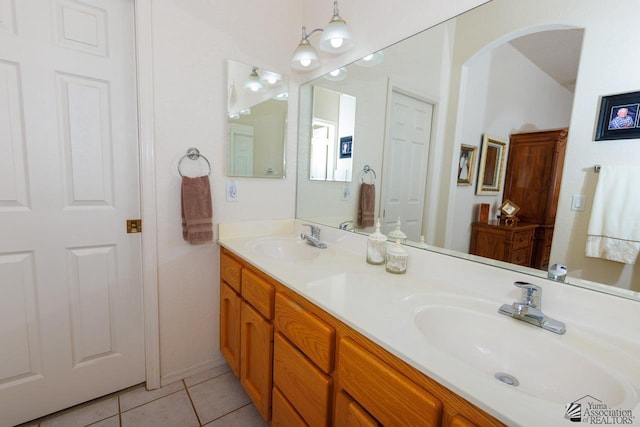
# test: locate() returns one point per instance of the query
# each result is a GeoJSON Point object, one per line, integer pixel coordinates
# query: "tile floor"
{"type": "Point", "coordinates": [213, 398]}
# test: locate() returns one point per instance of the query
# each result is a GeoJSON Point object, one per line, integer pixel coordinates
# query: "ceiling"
{"type": "Point", "coordinates": [556, 52]}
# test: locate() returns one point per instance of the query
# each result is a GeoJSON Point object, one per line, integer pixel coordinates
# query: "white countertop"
{"type": "Point", "coordinates": [604, 329]}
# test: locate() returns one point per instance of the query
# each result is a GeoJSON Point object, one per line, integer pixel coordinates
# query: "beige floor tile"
{"type": "Point", "coordinates": [109, 422]}
{"type": "Point", "coordinates": [246, 416]}
{"type": "Point", "coordinates": [217, 397]}
{"type": "Point", "coordinates": [207, 375]}
{"type": "Point", "coordinates": [139, 395]}
{"type": "Point", "coordinates": [88, 413]}
{"type": "Point", "coordinates": [174, 410]}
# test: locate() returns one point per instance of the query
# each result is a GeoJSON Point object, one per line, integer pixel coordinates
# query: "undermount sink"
{"type": "Point", "coordinates": [285, 248]}
{"type": "Point", "coordinates": [534, 361]}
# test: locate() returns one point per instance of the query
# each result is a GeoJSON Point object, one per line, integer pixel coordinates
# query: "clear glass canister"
{"type": "Point", "coordinates": [376, 246]}
{"type": "Point", "coordinates": [396, 259]}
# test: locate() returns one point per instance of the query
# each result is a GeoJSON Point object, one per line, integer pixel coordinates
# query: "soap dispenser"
{"type": "Point", "coordinates": [396, 259]}
{"type": "Point", "coordinates": [376, 249]}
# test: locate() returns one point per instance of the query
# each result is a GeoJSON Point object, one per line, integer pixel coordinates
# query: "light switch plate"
{"type": "Point", "coordinates": [577, 202]}
{"type": "Point", "coordinates": [232, 191]}
{"type": "Point", "coordinates": [346, 192]}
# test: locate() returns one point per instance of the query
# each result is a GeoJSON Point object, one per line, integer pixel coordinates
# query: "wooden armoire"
{"type": "Point", "coordinates": [532, 181]}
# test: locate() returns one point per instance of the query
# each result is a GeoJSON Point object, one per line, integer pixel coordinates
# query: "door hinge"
{"type": "Point", "coordinates": [134, 226]}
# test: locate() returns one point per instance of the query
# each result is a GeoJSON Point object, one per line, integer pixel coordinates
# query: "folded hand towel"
{"type": "Point", "coordinates": [197, 210]}
{"type": "Point", "coordinates": [614, 229]}
{"type": "Point", "coordinates": [367, 205]}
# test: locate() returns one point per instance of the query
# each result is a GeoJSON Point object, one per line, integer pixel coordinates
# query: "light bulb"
{"type": "Point", "coordinates": [335, 72]}
{"type": "Point", "coordinates": [368, 58]}
{"type": "Point", "coordinates": [337, 42]}
{"type": "Point", "coordinates": [305, 62]}
{"type": "Point", "coordinates": [272, 80]}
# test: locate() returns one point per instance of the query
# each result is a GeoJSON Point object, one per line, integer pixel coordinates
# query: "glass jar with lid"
{"type": "Point", "coordinates": [376, 246]}
{"type": "Point", "coordinates": [396, 259]}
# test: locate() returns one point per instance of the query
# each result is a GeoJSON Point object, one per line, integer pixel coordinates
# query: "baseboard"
{"type": "Point", "coordinates": [182, 374]}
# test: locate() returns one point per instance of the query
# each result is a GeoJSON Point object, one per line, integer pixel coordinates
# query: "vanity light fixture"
{"type": "Point", "coordinates": [336, 75]}
{"type": "Point", "coordinates": [253, 82]}
{"type": "Point", "coordinates": [270, 77]}
{"type": "Point", "coordinates": [336, 38]}
{"type": "Point", "coordinates": [371, 60]}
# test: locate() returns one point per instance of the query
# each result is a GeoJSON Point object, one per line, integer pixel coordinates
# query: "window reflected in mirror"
{"type": "Point", "coordinates": [256, 121]}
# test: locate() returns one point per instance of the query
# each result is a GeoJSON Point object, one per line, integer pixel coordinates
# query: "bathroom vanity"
{"type": "Point", "coordinates": [320, 337]}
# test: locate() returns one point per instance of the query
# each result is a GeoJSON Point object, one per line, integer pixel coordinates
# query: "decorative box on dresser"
{"type": "Point", "coordinates": [532, 181]}
{"type": "Point", "coordinates": [323, 372]}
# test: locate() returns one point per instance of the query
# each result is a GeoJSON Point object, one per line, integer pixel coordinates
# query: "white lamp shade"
{"type": "Point", "coordinates": [336, 37]}
{"type": "Point", "coordinates": [305, 57]}
{"type": "Point", "coordinates": [253, 82]}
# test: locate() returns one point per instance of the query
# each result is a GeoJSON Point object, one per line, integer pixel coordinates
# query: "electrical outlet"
{"type": "Point", "coordinates": [232, 191]}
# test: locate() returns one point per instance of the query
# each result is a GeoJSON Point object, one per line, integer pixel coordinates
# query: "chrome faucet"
{"type": "Point", "coordinates": [529, 309]}
{"type": "Point", "coordinates": [313, 239]}
{"type": "Point", "coordinates": [344, 225]}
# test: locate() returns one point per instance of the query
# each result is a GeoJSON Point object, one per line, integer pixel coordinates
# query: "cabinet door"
{"type": "Point", "coordinates": [383, 392]}
{"type": "Point", "coordinates": [230, 326]}
{"type": "Point", "coordinates": [256, 358]}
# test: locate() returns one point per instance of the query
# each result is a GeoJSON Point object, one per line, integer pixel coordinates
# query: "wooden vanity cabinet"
{"type": "Point", "coordinates": [246, 331]}
{"type": "Point", "coordinates": [230, 306]}
{"type": "Point", "coordinates": [319, 371]}
{"type": "Point", "coordinates": [509, 243]}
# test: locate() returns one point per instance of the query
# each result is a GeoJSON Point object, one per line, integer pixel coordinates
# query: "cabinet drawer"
{"type": "Point", "coordinates": [230, 271]}
{"type": "Point", "coordinates": [460, 421]}
{"type": "Point", "coordinates": [382, 391]}
{"type": "Point", "coordinates": [521, 239]}
{"type": "Point", "coordinates": [520, 256]}
{"type": "Point", "coordinates": [301, 382]}
{"type": "Point", "coordinates": [349, 414]}
{"type": "Point", "coordinates": [284, 415]}
{"type": "Point", "coordinates": [258, 292]}
{"type": "Point", "coordinates": [312, 336]}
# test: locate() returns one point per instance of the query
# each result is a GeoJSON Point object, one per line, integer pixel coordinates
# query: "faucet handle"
{"type": "Point", "coordinates": [315, 230]}
{"type": "Point", "coordinates": [531, 294]}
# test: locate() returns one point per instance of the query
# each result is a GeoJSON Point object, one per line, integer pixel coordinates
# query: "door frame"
{"type": "Point", "coordinates": [148, 199]}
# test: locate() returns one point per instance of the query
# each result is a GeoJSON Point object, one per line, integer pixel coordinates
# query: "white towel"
{"type": "Point", "coordinates": [614, 226]}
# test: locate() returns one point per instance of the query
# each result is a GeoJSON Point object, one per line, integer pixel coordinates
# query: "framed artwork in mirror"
{"type": "Point", "coordinates": [492, 164]}
{"type": "Point", "coordinates": [619, 117]}
{"type": "Point", "coordinates": [466, 164]}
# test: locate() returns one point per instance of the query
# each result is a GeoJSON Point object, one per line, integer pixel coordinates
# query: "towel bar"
{"type": "Point", "coordinates": [193, 154]}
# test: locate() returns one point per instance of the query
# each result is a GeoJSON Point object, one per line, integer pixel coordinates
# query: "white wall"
{"type": "Point", "coordinates": [193, 39]}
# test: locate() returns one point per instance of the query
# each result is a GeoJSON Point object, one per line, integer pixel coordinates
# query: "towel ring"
{"type": "Point", "coordinates": [193, 154]}
{"type": "Point", "coordinates": [366, 170]}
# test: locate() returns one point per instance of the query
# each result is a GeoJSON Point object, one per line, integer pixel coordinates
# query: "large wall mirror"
{"type": "Point", "coordinates": [256, 121]}
{"type": "Point", "coordinates": [503, 68]}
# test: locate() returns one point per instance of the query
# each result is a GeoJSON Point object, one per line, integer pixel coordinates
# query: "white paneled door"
{"type": "Point", "coordinates": [405, 167]}
{"type": "Point", "coordinates": [71, 325]}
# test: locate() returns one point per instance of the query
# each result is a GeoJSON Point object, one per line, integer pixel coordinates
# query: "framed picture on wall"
{"type": "Point", "coordinates": [346, 146]}
{"type": "Point", "coordinates": [619, 117]}
{"type": "Point", "coordinates": [466, 164]}
{"type": "Point", "coordinates": [492, 164]}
